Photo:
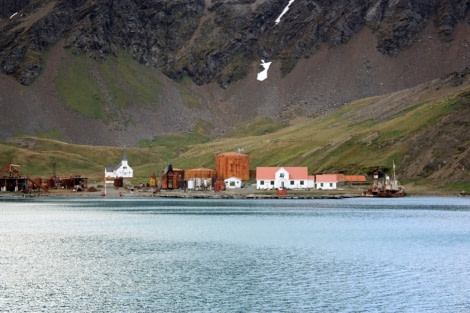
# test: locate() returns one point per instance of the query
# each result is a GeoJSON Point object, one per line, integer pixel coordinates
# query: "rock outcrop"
{"type": "Point", "coordinates": [210, 40]}
{"type": "Point", "coordinates": [71, 68]}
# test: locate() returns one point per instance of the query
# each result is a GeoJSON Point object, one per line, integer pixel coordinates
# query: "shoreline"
{"type": "Point", "coordinates": [243, 193]}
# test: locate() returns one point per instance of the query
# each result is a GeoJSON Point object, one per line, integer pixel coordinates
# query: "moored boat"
{"type": "Point", "coordinates": [390, 188]}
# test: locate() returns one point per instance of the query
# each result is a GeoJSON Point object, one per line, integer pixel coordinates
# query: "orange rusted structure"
{"type": "Point", "coordinates": [232, 164]}
{"type": "Point", "coordinates": [171, 177]}
{"type": "Point", "coordinates": [153, 180]}
{"type": "Point", "coordinates": [219, 185]}
{"type": "Point", "coordinates": [11, 170]}
{"type": "Point", "coordinates": [201, 173]}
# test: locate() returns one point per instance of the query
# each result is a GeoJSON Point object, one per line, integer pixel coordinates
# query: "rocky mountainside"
{"type": "Point", "coordinates": [203, 57]}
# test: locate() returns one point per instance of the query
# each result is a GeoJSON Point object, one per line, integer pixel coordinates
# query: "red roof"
{"type": "Point", "coordinates": [355, 178]}
{"type": "Point", "coordinates": [294, 172]}
{"type": "Point", "coordinates": [329, 178]}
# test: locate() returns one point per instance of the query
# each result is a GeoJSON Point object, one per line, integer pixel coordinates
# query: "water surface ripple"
{"type": "Point", "coordinates": [194, 255]}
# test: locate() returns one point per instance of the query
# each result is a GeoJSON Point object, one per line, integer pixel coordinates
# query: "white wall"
{"type": "Point", "coordinates": [232, 183]}
{"type": "Point", "coordinates": [284, 183]}
{"type": "Point", "coordinates": [326, 186]}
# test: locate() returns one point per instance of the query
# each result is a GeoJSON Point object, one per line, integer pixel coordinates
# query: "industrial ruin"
{"type": "Point", "coordinates": [11, 180]}
{"type": "Point", "coordinates": [229, 165]}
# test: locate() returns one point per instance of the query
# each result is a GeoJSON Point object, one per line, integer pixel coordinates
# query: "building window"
{"type": "Point", "coordinates": [292, 182]}
{"type": "Point", "coordinates": [281, 175]}
{"type": "Point", "coordinates": [272, 182]}
{"type": "Point", "coordinates": [261, 182]}
{"type": "Point", "coordinates": [321, 184]}
{"type": "Point", "coordinates": [331, 184]}
{"type": "Point", "coordinates": [301, 183]}
{"type": "Point", "coordinates": [232, 184]}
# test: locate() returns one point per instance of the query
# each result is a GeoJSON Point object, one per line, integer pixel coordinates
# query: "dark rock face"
{"type": "Point", "coordinates": [149, 30]}
{"type": "Point", "coordinates": [9, 7]}
{"type": "Point", "coordinates": [214, 42]}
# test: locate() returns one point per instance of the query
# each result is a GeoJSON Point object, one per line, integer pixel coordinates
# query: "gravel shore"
{"type": "Point", "coordinates": [249, 192]}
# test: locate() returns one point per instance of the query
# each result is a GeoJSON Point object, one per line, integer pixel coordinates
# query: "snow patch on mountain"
{"type": "Point", "coordinates": [278, 20]}
{"type": "Point", "coordinates": [264, 74]}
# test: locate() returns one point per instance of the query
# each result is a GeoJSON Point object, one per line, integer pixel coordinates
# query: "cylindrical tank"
{"type": "Point", "coordinates": [232, 164]}
{"type": "Point", "coordinates": [191, 184]}
{"type": "Point", "coordinates": [201, 173]}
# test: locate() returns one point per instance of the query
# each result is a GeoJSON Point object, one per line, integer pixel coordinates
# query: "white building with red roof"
{"type": "Point", "coordinates": [332, 181]}
{"type": "Point", "coordinates": [328, 181]}
{"type": "Point", "coordinates": [284, 177]}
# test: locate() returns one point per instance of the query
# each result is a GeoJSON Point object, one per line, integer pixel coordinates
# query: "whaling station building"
{"type": "Point", "coordinates": [233, 169]}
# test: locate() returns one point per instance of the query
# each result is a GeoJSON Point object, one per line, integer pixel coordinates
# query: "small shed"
{"type": "Point", "coordinates": [233, 182]}
{"type": "Point", "coordinates": [153, 180]}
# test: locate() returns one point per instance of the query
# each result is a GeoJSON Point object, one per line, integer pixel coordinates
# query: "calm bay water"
{"type": "Point", "coordinates": [185, 255]}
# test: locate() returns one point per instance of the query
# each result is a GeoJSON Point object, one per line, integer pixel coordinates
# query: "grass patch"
{"type": "Point", "coordinates": [462, 186]}
{"type": "Point", "coordinates": [171, 146]}
{"type": "Point", "coordinates": [101, 90]}
{"type": "Point", "coordinates": [128, 83]}
{"type": "Point", "coordinates": [52, 133]}
{"type": "Point", "coordinates": [79, 90]}
{"type": "Point", "coordinates": [190, 101]}
{"type": "Point", "coordinates": [255, 127]}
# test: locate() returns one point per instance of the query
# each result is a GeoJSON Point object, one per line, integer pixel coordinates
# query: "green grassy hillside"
{"type": "Point", "coordinates": [101, 90]}
{"type": "Point", "coordinates": [423, 130]}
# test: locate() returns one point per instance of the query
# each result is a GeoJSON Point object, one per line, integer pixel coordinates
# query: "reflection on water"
{"type": "Point", "coordinates": [152, 255]}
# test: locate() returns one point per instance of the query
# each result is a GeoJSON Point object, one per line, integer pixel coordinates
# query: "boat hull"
{"type": "Point", "coordinates": [384, 193]}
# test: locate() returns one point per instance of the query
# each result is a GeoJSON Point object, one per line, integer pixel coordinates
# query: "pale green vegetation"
{"type": "Point", "coordinates": [99, 89]}
{"type": "Point", "coordinates": [79, 90]}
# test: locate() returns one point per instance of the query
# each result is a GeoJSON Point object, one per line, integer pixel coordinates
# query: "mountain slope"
{"type": "Point", "coordinates": [424, 130]}
{"type": "Point", "coordinates": [115, 73]}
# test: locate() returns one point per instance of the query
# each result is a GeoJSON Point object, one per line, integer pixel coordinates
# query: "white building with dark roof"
{"type": "Point", "coordinates": [121, 170]}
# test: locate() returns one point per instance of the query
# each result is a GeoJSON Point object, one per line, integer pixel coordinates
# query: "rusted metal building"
{"type": "Point", "coordinates": [11, 179]}
{"type": "Point", "coordinates": [72, 182]}
{"type": "Point", "coordinates": [201, 173]}
{"type": "Point", "coordinates": [233, 164]}
{"type": "Point", "coordinates": [172, 178]}
{"type": "Point", "coordinates": [13, 184]}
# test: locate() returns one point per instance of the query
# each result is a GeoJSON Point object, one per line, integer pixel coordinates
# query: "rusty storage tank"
{"type": "Point", "coordinates": [200, 178]}
{"type": "Point", "coordinates": [233, 164]}
{"type": "Point", "coordinates": [202, 173]}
